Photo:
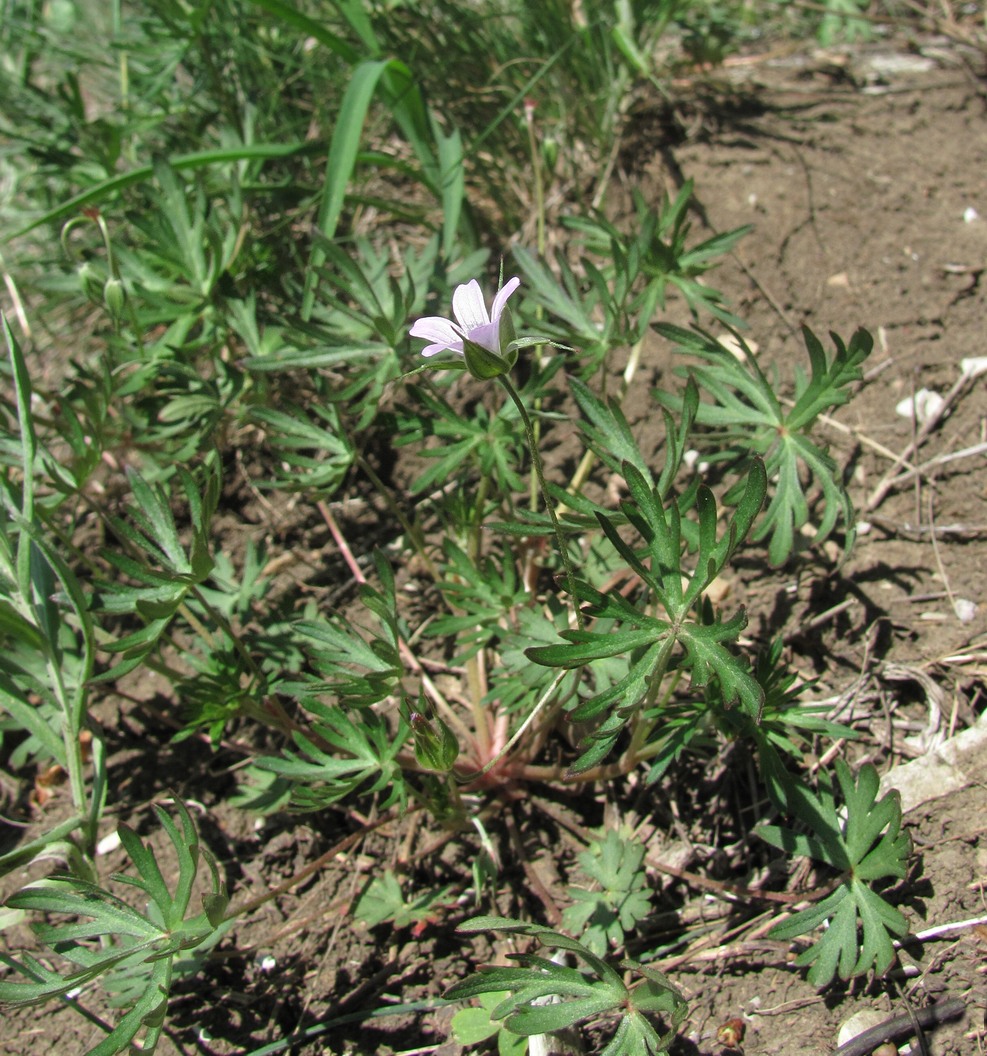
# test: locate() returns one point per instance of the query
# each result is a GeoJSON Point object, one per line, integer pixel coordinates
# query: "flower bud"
{"type": "Point", "coordinates": [114, 297]}
{"type": "Point", "coordinates": [550, 152]}
{"type": "Point", "coordinates": [88, 280]}
{"type": "Point", "coordinates": [435, 744]}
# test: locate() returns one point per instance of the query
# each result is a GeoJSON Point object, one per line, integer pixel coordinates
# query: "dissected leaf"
{"type": "Point", "coordinates": [650, 642]}
{"type": "Point", "coordinates": [619, 897]}
{"type": "Point", "coordinates": [384, 901]}
{"type": "Point", "coordinates": [747, 419]}
{"type": "Point", "coordinates": [137, 949]}
{"type": "Point", "coordinates": [869, 845]}
{"type": "Point", "coordinates": [580, 996]}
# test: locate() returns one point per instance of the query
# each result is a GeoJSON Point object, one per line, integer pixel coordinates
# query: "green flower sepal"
{"type": "Point", "coordinates": [485, 364]}
{"type": "Point", "coordinates": [436, 748]}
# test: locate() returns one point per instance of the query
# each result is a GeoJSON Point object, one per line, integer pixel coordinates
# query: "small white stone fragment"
{"type": "Point", "coordinates": [966, 610]}
{"type": "Point", "coordinates": [925, 404]}
{"type": "Point", "coordinates": [108, 843]}
{"type": "Point", "coordinates": [973, 366]}
{"type": "Point", "coordinates": [970, 214]}
{"type": "Point", "coordinates": [859, 1022]}
{"type": "Point", "coordinates": [691, 461]}
{"type": "Point", "coordinates": [737, 348]}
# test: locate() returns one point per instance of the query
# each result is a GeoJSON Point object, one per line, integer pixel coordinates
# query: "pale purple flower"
{"type": "Point", "coordinates": [472, 322]}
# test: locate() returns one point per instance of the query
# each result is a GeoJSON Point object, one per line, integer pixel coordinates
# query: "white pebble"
{"type": "Point", "coordinates": [925, 404]}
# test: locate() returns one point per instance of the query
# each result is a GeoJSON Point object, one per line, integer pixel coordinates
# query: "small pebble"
{"type": "Point", "coordinates": [974, 366]}
{"type": "Point", "coordinates": [858, 1023]}
{"type": "Point", "coordinates": [925, 404]}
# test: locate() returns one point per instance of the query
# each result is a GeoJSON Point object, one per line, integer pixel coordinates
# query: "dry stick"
{"type": "Point", "coordinates": [902, 1026]}
{"type": "Point", "coordinates": [737, 892]}
{"type": "Point", "coordinates": [942, 931]}
{"type": "Point", "coordinates": [313, 867]}
{"type": "Point", "coordinates": [821, 618]}
{"type": "Point", "coordinates": [912, 531]}
{"type": "Point", "coordinates": [438, 842]}
{"type": "Point", "coordinates": [702, 951]}
{"type": "Point", "coordinates": [750, 944]}
{"type": "Point", "coordinates": [704, 883]}
{"type": "Point", "coordinates": [403, 646]}
{"type": "Point", "coordinates": [938, 556]}
{"type": "Point", "coordinates": [939, 460]}
{"type": "Point", "coordinates": [888, 480]}
{"type": "Point", "coordinates": [552, 910]}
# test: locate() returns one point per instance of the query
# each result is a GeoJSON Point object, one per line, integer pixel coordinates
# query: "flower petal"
{"type": "Point", "coordinates": [468, 306]}
{"type": "Point", "coordinates": [435, 328]}
{"type": "Point", "coordinates": [440, 333]}
{"type": "Point", "coordinates": [487, 335]}
{"type": "Point", "coordinates": [432, 350]}
{"type": "Point", "coordinates": [500, 301]}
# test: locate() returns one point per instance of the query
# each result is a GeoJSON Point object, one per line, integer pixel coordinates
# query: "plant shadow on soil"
{"type": "Point", "coordinates": [856, 187]}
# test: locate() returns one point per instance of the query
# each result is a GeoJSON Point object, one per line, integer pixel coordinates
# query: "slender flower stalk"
{"type": "Point", "coordinates": [487, 342]}
{"type": "Point", "coordinates": [536, 465]}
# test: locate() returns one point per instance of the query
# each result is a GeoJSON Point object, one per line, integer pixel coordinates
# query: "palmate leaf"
{"type": "Point", "coordinates": [650, 642]}
{"type": "Point", "coordinates": [656, 255]}
{"type": "Point", "coordinates": [619, 897]}
{"type": "Point", "coordinates": [313, 450]}
{"type": "Point", "coordinates": [868, 846]}
{"type": "Point", "coordinates": [580, 996]}
{"type": "Point", "coordinates": [161, 569]}
{"type": "Point", "coordinates": [103, 934]}
{"type": "Point", "coordinates": [354, 754]}
{"type": "Point", "coordinates": [748, 419]}
{"type": "Point", "coordinates": [359, 666]}
{"type": "Point", "coordinates": [487, 441]}
{"type": "Point", "coordinates": [484, 595]}
{"type": "Point", "coordinates": [384, 901]}
{"type": "Point", "coordinates": [610, 438]}
{"type": "Point", "coordinates": [567, 299]}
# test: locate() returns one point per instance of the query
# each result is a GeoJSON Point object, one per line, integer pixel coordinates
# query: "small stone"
{"type": "Point", "coordinates": [925, 404]}
{"type": "Point", "coordinates": [974, 366]}
{"type": "Point", "coordinates": [737, 348]}
{"type": "Point", "coordinates": [859, 1022]}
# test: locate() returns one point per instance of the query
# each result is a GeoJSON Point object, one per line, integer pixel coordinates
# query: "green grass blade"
{"type": "Point", "coordinates": [310, 28]}
{"type": "Point", "coordinates": [196, 160]}
{"type": "Point", "coordinates": [343, 152]}
{"type": "Point", "coordinates": [29, 447]}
